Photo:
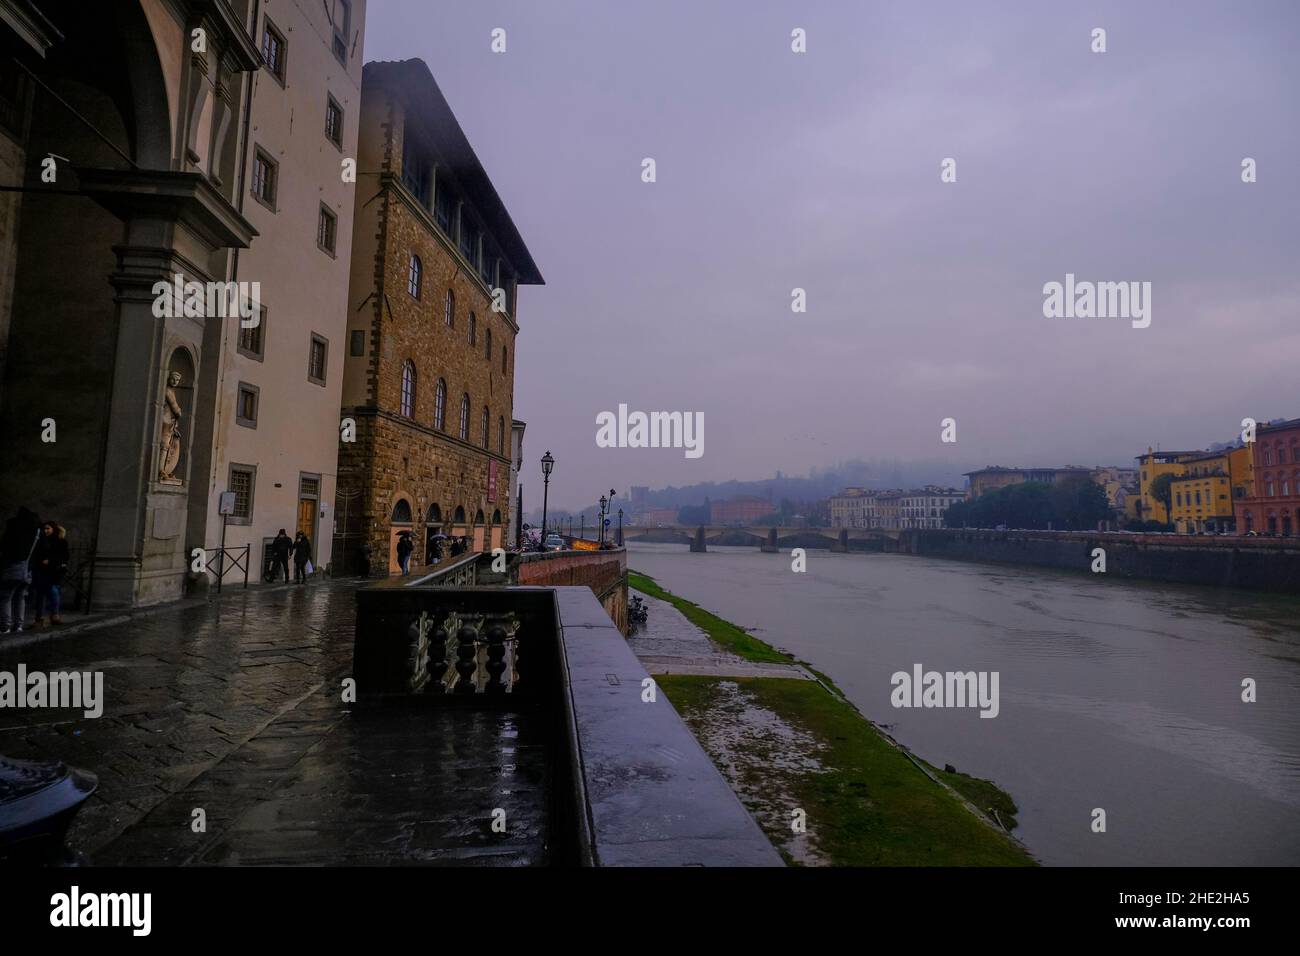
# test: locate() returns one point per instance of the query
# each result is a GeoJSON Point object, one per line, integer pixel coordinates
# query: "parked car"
{"type": "Point", "coordinates": [554, 542]}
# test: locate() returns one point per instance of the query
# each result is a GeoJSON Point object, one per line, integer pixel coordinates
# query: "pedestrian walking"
{"type": "Point", "coordinates": [280, 549]}
{"type": "Point", "coordinates": [49, 564]}
{"type": "Point", "coordinates": [404, 549]}
{"type": "Point", "coordinates": [16, 548]}
{"type": "Point", "coordinates": [301, 558]}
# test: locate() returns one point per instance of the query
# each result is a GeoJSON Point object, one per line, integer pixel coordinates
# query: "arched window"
{"type": "Point", "coordinates": [464, 417]}
{"type": "Point", "coordinates": [488, 351]}
{"type": "Point", "coordinates": [501, 436]}
{"type": "Point", "coordinates": [402, 512]}
{"type": "Point", "coordinates": [478, 516]}
{"type": "Point", "coordinates": [440, 406]}
{"type": "Point", "coordinates": [435, 515]}
{"type": "Point", "coordinates": [413, 275]}
{"type": "Point", "coordinates": [459, 516]}
{"type": "Point", "coordinates": [473, 329]}
{"type": "Point", "coordinates": [503, 360]}
{"type": "Point", "coordinates": [496, 516]}
{"type": "Point", "coordinates": [408, 389]}
{"type": "Point", "coordinates": [449, 309]}
{"type": "Point", "coordinates": [485, 426]}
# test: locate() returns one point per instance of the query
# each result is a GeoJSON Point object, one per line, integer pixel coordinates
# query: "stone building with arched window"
{"type": "Point", "coordinates": [441, 447]}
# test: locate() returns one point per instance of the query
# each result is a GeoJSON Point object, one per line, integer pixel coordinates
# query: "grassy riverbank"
{"type": "Point", "coordinates": [790, 744]}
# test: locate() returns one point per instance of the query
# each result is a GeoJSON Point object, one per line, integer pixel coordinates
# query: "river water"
{"type": "Point", "coordinates": [1117, 695]}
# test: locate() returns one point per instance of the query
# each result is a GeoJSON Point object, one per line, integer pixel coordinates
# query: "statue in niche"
{"type": "Point", "coordinates": [169, 439]}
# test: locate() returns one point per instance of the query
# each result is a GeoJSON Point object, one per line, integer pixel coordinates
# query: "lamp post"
{"type": "Point", "coordinates": [619, 540]}
{"type": "Point", "coordinates": [548, 462]}
{"type": "Point", "coordinates": [603, 502]}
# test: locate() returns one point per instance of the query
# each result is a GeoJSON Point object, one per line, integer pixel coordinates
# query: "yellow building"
{"type": "Point", "coordinates": [1150, 467]}
{"type": "Point", "coordinates": [1204, 488]}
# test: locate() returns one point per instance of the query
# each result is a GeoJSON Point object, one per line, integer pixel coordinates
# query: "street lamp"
{"type": "Point", "coordinates": [619, 541]}
{"type": "Point", "coordinates": [548, 462]}
{"type": "Point", "coordinates": [603, 502]}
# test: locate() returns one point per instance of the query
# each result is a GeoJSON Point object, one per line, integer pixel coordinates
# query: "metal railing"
{"type": "Point", "coordinates": [239, 558]}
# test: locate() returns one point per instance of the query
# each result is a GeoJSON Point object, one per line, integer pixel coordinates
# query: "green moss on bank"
{"type": "Point", "coordinates": [866, 805]}
{"type": "Point", "coordinates": [724, 633]}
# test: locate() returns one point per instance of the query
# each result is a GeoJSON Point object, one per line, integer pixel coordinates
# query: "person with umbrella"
{"type": "Point", "coordinates": [404, 549]}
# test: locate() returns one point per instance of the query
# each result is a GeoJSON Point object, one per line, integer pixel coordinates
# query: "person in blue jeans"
{"type": "Point", "coordinates": [404, 549]}
{"type": "Point", "coordinates": [16, 549]}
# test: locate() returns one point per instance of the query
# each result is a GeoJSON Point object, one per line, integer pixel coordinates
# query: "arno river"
{"type": "Point", "coordinates": [1119, 695]}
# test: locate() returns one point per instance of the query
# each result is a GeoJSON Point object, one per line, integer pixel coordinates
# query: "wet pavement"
{"type": "Point", "coordinates": [224, 740]}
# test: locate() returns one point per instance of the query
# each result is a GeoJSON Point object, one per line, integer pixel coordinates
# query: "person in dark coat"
{"type": "Point", "coordinates": [301, 555]}
{"type": "Point", "coordinates": [404, 549]}
{"type": "Point", "coordinates": [49, 564]}
{"type": "Point", "coordinates": [16, 548]}
{"type": "Point", "coordinates": [280, 549]}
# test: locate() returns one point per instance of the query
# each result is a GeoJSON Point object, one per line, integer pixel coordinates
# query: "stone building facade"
{"type": "Point", "coordinates": [428, 383]}
{"type": "Point", "coordinates": [106, 408]}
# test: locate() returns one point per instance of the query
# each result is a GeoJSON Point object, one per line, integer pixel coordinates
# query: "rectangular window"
{"type": "Point", "coordinates": [469, 242]}
{"type": "Point", "coordinates": [326, 228]}
{"type": "Point", "coordinates": [265, 175]}
{"type": "Point", "coordinates": [443, 208]}
{"type": "Point", "coordinates": [341, 18]}
{"type": "Point", "coordinates": [252, 340]}
{"type": "Point", "coordinates": [246, 408]}
{"type": "Point", "coordinates": [317, 359]}
{"type": "Point", "coordinates": [358, 344]}
{"type": "Point", "coordinates": [273, 50]}
{"type": "Point", "coordinates": [416, 171]}
{"type": "Point", "coordinates": [243, 481]}
{"type": "Point", "coordinates": [333, 121]}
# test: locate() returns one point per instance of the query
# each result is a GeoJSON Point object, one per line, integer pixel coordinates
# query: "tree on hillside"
{"type": "Point", "coordinates": [1162, 489]}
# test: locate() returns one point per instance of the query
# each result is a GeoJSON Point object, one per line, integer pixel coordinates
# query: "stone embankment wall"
{"type": "Point", "coordinates": [604, 572]}
{"type": "Point", "coordinates": [1259, 564]}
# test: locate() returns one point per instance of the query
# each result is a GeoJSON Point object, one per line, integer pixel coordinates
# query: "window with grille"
{"type": "Point", "coordinates": [464, 417]}
{"type": "Point", "coordinates": [449, 310]}
{"type": "Point", "coordinates": [242, 478]}
{"type": "Point", "coordinates": [440, 406]}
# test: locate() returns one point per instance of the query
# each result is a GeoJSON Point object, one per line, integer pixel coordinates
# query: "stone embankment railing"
{"type": "Point", "coordinates": [629, 783]}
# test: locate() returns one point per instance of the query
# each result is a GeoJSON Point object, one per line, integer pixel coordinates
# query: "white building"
{"type": "Point", "coordinates": [279, 387]}
{"type": "Point", "coordinates": [926, 507]}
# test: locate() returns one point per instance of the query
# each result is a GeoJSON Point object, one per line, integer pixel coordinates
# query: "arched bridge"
{"type": "Point", "coordinates": [778, 538]}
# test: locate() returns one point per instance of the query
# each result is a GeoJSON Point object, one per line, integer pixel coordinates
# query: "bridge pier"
{"type": "Point", "coordinates": [769, 545]}
{"type": "Point", "coordinates": [841, 546]}
{"type": "Point", "coordinates": [697, 543]}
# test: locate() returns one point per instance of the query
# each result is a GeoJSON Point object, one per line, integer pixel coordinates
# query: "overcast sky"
{"type": "Point", "coordinates": [821, 170]}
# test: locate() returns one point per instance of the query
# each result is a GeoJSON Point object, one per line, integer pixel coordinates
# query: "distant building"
{"type": "Point", "coordinates": [740, 511]}
{"type": "Point", "coordinates": [852, 508]}
{"type": "Point", "coordinates": [1208, 487]}
{"type": "Point", "coordinates": [996, 477]}
{"type": "Point", "coordinates": [658, 516]}
{"type": "Point", "coordinates": [1274, 508]}
{"type": "Point", "coordinates": [1150, 467]}
{"type": "Point", "coordinates": [927, 507]}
